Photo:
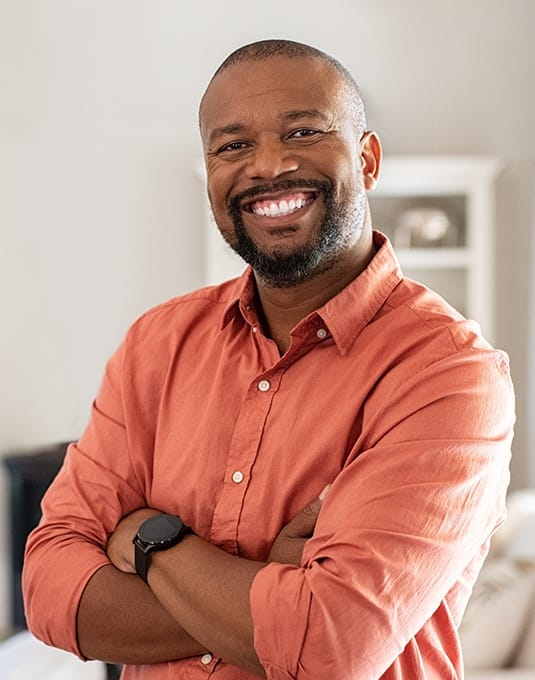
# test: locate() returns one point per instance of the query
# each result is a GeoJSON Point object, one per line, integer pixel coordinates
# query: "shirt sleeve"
{"type": "Point", "coordinates": [94, 489]}
{"type": "Point", "coordinates": [414, 506]}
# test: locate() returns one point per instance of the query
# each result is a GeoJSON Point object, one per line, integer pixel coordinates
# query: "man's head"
{"type": "Point", "coordinates": [264, 49]}
{"type": "Point", "coordinates": [288, 160]}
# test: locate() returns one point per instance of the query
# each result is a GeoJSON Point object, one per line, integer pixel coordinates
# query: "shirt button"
{"type": "Point", "coordinates": [321, 333]}
{"type": "Point", "coordinates": [206, 658]}
{"type": "Point", "coordinates": [264, 385]}
{"type": "Point", "coordinates": [237, 476]}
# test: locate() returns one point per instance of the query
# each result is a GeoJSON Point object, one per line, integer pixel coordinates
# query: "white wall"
{"type": "Point", "coordinates": [529, 423]}
{"type": "Point", "coordinates": [100, 204]}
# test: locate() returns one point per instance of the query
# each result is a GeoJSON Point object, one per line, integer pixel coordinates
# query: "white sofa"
{"type": "Point", "coordinates": [23, 657]}
{"type": "Point", "coordinates": [498, 628]}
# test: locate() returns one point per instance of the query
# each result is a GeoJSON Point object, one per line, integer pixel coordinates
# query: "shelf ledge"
{"type": "Point", "coordinates": [433, 258]}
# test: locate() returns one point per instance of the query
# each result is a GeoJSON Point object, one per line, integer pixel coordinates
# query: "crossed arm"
{"type": "Point", "coordinates": [198, 599]}
{"type": "Point", "coordinates": [428, 502]}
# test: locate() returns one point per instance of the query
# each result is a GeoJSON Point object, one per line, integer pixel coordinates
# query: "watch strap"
{"type": "Point", "coordinates": [142, 561]}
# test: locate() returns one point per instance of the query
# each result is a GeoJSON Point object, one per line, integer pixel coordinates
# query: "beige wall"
{"type": "Point", "coordinates": [100, 204]}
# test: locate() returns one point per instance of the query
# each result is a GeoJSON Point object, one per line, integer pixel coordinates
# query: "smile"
{"type": "Point", "coordinates": [282, 206]}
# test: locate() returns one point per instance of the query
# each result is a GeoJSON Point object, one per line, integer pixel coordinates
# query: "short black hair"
{"type": "Point", "coordinates": [265, 49]}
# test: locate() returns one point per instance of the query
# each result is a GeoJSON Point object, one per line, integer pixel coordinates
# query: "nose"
{"type": "Point", "coordinates": [270, 158]}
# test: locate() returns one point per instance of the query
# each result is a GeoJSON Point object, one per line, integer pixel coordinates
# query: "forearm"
{"type": "Point", "coordinates": [208, 591]}
{"type": "Point", "coordinates": [204, 589]}
{"type": "Point", "coordinates": [120, 621]}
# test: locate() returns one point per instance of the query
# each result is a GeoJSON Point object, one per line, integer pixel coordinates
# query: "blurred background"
{"type": "Point", "coordinates": [102, 203]}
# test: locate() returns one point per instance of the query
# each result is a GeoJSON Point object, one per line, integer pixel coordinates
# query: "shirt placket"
{"type": "Point", "coordinates": [244, 448]}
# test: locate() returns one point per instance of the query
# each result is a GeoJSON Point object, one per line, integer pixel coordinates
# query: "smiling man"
{"type": "Point", "coordinates": [294, 474]}
{"type": "Point", "coordinates": [285, 177]}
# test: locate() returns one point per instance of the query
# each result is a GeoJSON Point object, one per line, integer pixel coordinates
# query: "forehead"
{"type": "Point", "coordinates": [269, 88]}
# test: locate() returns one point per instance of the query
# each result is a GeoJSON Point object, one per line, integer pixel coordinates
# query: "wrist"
{"type": "Point", "coordinates": [155, 534]}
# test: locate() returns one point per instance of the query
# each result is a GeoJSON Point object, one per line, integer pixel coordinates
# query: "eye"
{"type": "Point", "coordinates": [233, 146]}
{"type": "Point", "coordinates": [304, 132]}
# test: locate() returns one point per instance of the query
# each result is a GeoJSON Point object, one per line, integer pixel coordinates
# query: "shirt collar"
{"type": "Point", "coordinates": [240, 299]}
{"type": "Point", "coordinates": [346, 314]}
{"type": "Point", "coordinates": [355, 306]}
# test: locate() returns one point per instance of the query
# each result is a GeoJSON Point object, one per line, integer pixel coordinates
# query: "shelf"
{"type": "Point", "coordinates": [432, 175]}
{"type": "Point", "coordinates": [426, 258]}
{"type": "Point", "coordinates": [461, 267]}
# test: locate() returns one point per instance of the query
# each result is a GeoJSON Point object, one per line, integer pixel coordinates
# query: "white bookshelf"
{"type": "Point", "coordinates": [462, 188]}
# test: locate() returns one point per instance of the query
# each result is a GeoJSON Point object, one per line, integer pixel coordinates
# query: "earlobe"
{"type": "Point", "coordinates": [371, 154]}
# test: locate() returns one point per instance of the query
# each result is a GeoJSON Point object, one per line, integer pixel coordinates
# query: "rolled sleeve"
{"type": "Point", "coordinates": [94, 489]}
{"type": "Point", "coordinates": [278, 639]}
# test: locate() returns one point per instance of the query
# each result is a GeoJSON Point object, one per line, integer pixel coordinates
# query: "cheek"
{"type": "Point", "coordinates": [219, 183]}
{"type": "Point", "coordinates": [216, 197]}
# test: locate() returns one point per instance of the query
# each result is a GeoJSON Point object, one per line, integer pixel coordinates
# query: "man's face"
{"type": "Point", "coordinates": [283, 166]}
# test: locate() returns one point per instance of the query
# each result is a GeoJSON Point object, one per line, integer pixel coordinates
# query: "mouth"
{"type": "Point", "coordinates": [280, 206]}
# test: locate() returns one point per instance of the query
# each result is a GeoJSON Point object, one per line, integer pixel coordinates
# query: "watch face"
{"type": "Point", "coordinates": [160, 529]}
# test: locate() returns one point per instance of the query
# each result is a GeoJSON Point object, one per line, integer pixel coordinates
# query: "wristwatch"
{"type": "Point", "coordinates": [156, 533]}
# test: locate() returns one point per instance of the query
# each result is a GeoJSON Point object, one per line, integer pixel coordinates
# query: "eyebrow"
{"type": "Point", "coordinates": [230, 129]}
{"type": "Point", "coordinates": [304, 113]}
{"type": "Point", "coordinates": [233, 128]}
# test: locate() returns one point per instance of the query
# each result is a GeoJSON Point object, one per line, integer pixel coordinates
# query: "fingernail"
{"type": "Point", "coordinates": [324, 492]}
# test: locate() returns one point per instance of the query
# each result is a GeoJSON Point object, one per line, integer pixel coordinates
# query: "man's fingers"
{"type": "Point", "coordinates": [289, 544]}
{"type": "Point", "coordinates": [302, 525]}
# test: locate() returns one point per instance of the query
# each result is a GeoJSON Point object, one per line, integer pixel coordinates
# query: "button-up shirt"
{"type": "Point", "coordinates": [385, 392]}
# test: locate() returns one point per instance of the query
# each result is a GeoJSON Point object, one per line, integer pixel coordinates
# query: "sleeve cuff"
{"type": "Point", "coordinates": [280, 605]}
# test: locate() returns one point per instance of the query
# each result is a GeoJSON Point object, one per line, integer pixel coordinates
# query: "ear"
{"type": "Point", "coordinates": [371, 155]}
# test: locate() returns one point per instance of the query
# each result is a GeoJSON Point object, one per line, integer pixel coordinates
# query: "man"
{"type": "Point", "coordinates": [335, 437]}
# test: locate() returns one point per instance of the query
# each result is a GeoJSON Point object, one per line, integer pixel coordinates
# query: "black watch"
{"type": "Point", "coordinates": [156, 533]}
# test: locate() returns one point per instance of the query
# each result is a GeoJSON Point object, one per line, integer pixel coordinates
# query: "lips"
{"type": "Point", "coordinates": [278, 200]}
{"type": "Point", "coordinates": [280, 206]}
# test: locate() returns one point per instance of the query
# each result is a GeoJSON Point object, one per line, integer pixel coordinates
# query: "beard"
{"type": "Point", "coordinates": [280, 268]}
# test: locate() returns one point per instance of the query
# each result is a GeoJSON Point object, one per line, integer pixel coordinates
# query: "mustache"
{"type": "Point", "coordinates": [276, 187]}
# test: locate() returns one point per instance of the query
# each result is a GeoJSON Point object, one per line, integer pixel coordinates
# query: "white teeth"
{"type": "Point", "coordinates": [281, 208]}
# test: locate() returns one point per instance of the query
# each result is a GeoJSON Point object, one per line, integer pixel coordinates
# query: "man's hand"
{"type": "Point", "coordinates": [120, 548]}
{"type": "Point", "coordinates": [289, 544]}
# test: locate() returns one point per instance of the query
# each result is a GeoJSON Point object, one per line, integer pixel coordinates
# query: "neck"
{"type": "Point", "coordinates": [284, 308]}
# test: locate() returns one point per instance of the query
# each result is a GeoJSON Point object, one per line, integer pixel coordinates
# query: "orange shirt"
{"type": "Point", "coordinates": [386, 392]}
